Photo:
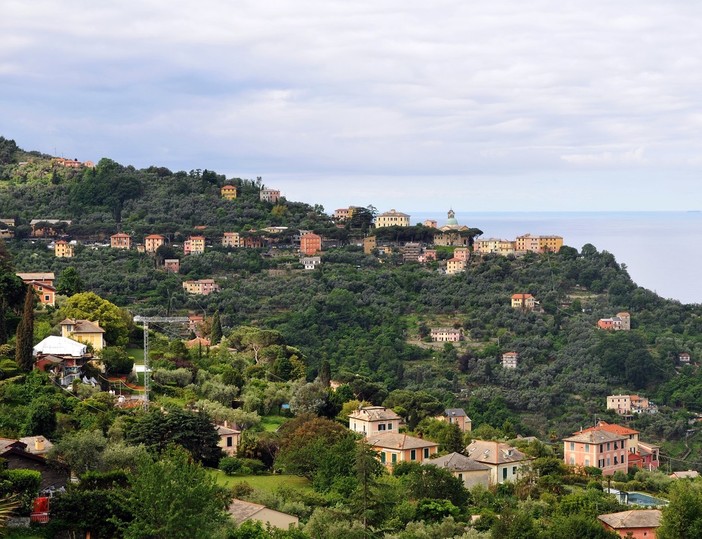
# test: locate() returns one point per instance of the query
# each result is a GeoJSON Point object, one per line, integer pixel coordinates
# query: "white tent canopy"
{"type": "Point", "coordinates": [60, 346]}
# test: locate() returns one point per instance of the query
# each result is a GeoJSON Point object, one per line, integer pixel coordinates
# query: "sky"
{"type": "Point", "coordinates": [548, 105]}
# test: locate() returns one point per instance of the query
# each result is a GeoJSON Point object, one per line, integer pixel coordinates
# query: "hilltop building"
{"type": "Point", "coordinates": [84, 331]}
{"type": "Point", "coordinates": [505, 462]}
{"type": "Point", "coordinates": [63, 249]}
{"type": "Point", "coordinates": [620, 322]}
{"type": "Point", "coordinates": [523, 301]}
{"type": "Point", "coordinates": [392, 218]}
{"type": "Point", "coordinates": [152, 242]}
{"type": "Point", "coordinates": [310, 244]}
{"type": "Point", "coordinates": [201, 287]}
{"type": "Point", "coordinates": [194, 245]}
{"type": "Point", "coordinates": [446, 334]}
{"type": "Point", "coordinates": [509, 360]}
{"type": "Point", "coordinates": [228, 192]}
{"type": "Point", "coordinates": [370, 420]}
{"type": "Point", "coordinates": [43, 285]}
{"type": "Point", "coordinates": [269, 195]}
{"type": "Point", "coordinates": [121, 241]}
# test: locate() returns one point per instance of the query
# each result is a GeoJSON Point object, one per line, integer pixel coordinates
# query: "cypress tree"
{"type": "Point", "coordinates": [25, 333]}
{"type": "Point", "coordinates": [216, 332]}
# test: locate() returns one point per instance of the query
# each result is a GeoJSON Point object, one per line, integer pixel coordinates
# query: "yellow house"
{"type": "Point", "coordinates": [229, 192]}
{"type": "Point", "coordinates": [392, 218]}
{"type": "Point", "coordinates": [84, 331]}
{"type": "Point", "coordinates": [63, 249]}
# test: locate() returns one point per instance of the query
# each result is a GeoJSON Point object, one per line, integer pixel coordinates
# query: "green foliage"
{"type": "Point", "coordinates": [69, 282]}
{"type": "Point", "coordinates": [176, 498]}
{"type": "Point", "coordinates": [195, 432]}
{"type": "Point", "coordinates": [116, 360]}
{"type": "Point", "coordinates": [25, 333]}
{"type": "Point", "coordinates": [682, 517]}
{"type": "Point", "coordinates": [22, 484]}
{"type": "Point", "coordinates": [78, 511]}
{"type": "Point", "coordinates": [427, 481]}
{"type": "Point", "coordinates": [89, 306]}
{"type": "Point", "coordinates": [41, 419]}
{"type": "Point", "coordinates": [81, 450]}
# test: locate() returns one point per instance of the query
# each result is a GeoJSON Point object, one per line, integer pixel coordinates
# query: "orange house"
{"type": "Point", "coordinates": [523, 301]}
{"type": "Point", "coordinates": [43, 285]}
{"type": "Point", "coordinates": [635, 524]}
{"type": "Point", "coordinates": [63, 249]}
{"type": "Point", "coordinates": [120, 241]}
{"type": "Point", "coordinates": [598, 448]}
{"type": "Point", "coordinates": [194, 245]}
{"type": "Point", "coordinates": [228, 192]}
{"type": "Point", "coordinates": [310, 244]}
{"type": "Point", "coordinates": [152, 242]}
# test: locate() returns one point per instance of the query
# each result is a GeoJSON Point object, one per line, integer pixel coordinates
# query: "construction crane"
{"type": "Point", "coordinates": [146, 320]}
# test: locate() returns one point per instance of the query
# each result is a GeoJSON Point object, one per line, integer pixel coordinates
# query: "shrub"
{"type": "Point", "coordinates": [230, 465]}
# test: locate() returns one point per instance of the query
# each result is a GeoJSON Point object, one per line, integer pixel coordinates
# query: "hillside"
{"type": "Point", "coordinates": [362, 316]}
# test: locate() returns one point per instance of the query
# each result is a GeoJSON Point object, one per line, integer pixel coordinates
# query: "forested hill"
{"type": "Point", "coordinates": [369, 316]}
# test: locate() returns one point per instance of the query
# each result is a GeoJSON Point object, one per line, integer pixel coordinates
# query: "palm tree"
{"type": "Point", "coordinates": [7, 505]}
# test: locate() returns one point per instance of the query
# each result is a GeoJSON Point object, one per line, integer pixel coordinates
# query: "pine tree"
{"type": "Point", "coordinates": [25, 333]}
{"type": "Point", "coordinates": [216, 331]}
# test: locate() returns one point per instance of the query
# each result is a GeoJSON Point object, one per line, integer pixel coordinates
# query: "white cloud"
{"type": "Point", "coordinates": [394, 92]}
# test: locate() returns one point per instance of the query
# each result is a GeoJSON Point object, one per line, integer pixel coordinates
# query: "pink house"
{"type": "Point", "coordinates": [598, 448]}
{"type": "Point", "coordinates": [635, 524]}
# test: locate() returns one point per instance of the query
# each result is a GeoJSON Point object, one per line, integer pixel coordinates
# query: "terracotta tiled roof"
{"type": "Point", "coordinates": [494, 452]}
{"type": "Point", "coordinates": [595, 437]}
{"type": "Point", "coordinates": [391, 440]}
{"type": "Point", "coordinates": [641, 518]}
{"type": "Point", "coordinates": [374, 413]}
{"type": "Point", "coordinates": [611, 427]}
{"type": "Point", "coordinates": [82, 326]}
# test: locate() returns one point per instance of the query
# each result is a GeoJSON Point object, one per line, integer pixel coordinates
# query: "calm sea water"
{"type": "Point", "coordinates": [661, 250]}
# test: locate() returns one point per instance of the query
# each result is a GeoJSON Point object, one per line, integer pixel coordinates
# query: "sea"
{"type": "Point", "coordinates": [662, 251]}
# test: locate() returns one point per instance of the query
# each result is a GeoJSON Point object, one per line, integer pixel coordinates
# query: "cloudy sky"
{"type": "Point", "coordinates": [497, 105]}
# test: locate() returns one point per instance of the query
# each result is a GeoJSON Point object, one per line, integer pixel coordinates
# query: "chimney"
{"type": "Point", "coordinates": [39, 444]}
{"type": "Point", "coordinates": [226, 423]}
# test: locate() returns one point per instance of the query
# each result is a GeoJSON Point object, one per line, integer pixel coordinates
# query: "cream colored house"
{"type": "Point", "coordinates": [152, 242]}
{"type": "Point", "coordinates": [392, 218]}
{"type": "Point", "coordinates": [505, 461]}
{"type": "Point", "coordinates": [371, 420]}
{"type": "Point", "coordinates": [84, 331]}
{"type": "Point", "coordinates": [393, 447]}
{"type": "Point", "coordinates": [454, 266]}
{"type": "Point", "coordinates": [228, 439]}
{"type": "Point", "coordinates": [231, 239]}
{"type": "Point", "coordinates": [456, 416]}
{"type": "Point", "coordinates": [469, 471]}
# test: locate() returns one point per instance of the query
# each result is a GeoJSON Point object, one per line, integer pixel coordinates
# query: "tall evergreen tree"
{"type": "Point", "coordinates": [25, 333]}
{"type": "Point", "coordinates": [216, 332]}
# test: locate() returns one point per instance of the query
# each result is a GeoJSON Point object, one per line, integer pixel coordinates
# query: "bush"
{"type": "Point", "coordinates": [230, 465]}
{"type": "Point", "coordinates": [24, 483]}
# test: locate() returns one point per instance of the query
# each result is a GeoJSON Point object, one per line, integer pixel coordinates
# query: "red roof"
{"type": "Point", "coordinates": [610, 427]}
{"type": "Point", "coordinates": [521, 296]}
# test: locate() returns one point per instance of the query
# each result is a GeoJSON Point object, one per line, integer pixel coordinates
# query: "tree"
{"type": "Point", "coordinates": [682, 517]}
{"type": "Point", "coordinates": [116, 360]}
{"type": "Point", "coordinates": [89, 306]}
{"type": "Point", "coordinates": [82, 450]}
{"type": "Point", "coordinates": [41, 419]}
{"type": "Point", "coordinates": [25, 333]}
{"type": "Point", "coordinates": [193, 431]}
{"type": "Point", "coordinates": [216, 331]}
{"type": "Point", "coordinates": [427, 481]}
{"type": "Point", "coordinates": [69, 282]}
{"type": "Point", "coordinates": [174, 497]}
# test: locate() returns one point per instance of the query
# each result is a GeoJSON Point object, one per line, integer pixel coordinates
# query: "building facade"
{"type": "Point", "coordinates": [231, 239]}
{"type": "Point", "coordinates": [599, 448]}
{"type": "Point", "coordinates": [228, 192]}
{"type": "Point", "coordinates": [201, 287]}
{"type": "Point", "coordinates": [152, 242]}
{"type": "Point", "coordinates": [392, 218]}
{"type": "Point", "coordinates": [446, 334]}
{"type": "Point", "coordinates": [310, 244]}
{"type": "Point", "coordinates": [269, 195]}
{"type": "Point", "coordinates": [371, 420]}
{"type": "Point", "coordinates": [120, 241]}
{"type": "Point", "coordinates": [194, 245]}
{"type": "Point", "coordinates": [63, 249]}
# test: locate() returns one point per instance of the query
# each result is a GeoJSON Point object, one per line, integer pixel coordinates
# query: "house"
{"type": "Point", "coordinates": [343, 214]}
{"type": "Point", "coordinates": [152, 242]}
{"type": "Point", "coordinates": [171, 265]}
{"type": "Point", "coordinates": [456, 416]}
{"type": "Point", "coordinates": [393, 447]}
{"type": "Point", "coordinates": [599, 448]}
{"type": "Point", "coordinates": [392, 218]}
{"type": "Point", "coordinates": [628, 404]}
{"type": "Point", "coordinates": [269, 195]}
{"type": "Point", "coordinates": [241, 511]}
{"type": "Point", "coordinates": [431, 223]}
{"type": "Point", "coordinates": [505, 461]}
{"type": "Point", "coordinates": [634, 524]}
{"type": "Point", "coordinates": [231, 239]}
{"type": "Point", "coordinates": [7, 228]}
{"type": "Point", "coordinates": [454, 266]}
{"type": "Point", "coordinates": [620, 322]}
{"type": "Point", "coordinates": [120, 241]}
{"type": "Point", "coordinates": [470, 471]}
{"type": "Point", "coordinates": [687, 474]}
{"type": "Point", "coordinates": [43, 228]}
{"type": "Point", "coordinates": [310, 244]}
{"type": "Point", "coordinates": [509, 360]}
{"type": "Point", "coordinates": [228, 438]}
{"type": "Point", "coordinates": [410, 252]}
{"type": "Point", "coordinates": [641, 454]}
{"type": "Point", "coordinates": [446, 334]}
{"type": "Point", "coordinates": [493, 245]}
{"type": "Point", "coordinates": [228, 192]}
{"type": "Point", "coordinates": [62, 356]}
{"type": "Point", "coordinates": [63, 249]}
{"type": "Point", "coordinates": [526, 302]}
{"type": "Point", "coordinates": [201, 287]}
{"type": "Point", "coordinates": [370, 420]}
{"type": "Point", "coordinates": [194, 245]}
{"type": "Point", "coordinates": [451, 239]}
{"type": "Point", "coordinates": [461, 253]}
{"type": "Point", "coordinates": [369, 244]}
{"type": "Point", "coordinates": [252, 242]}
{"type": "Point", "coordinates": [84, 331]}
{"type": "Point", "coordinates": [43, 285]}
{"type": "Point", "coordinates": [310, 262]}
{"type": "Point", "coordinates": [30, 454]}
{"type": "Point", "coordinates": [538, 244]}
{"type": "Point", "coordinates": [427, 256]}
{"type": "Point", "coordinates": [684, 357]}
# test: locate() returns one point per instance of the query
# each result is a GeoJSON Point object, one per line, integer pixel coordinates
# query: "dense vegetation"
{"type": "Point", "coordinates": [360, 320]}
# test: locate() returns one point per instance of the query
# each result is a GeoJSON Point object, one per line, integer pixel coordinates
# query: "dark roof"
{"type": "Point", "coordinates": [455, 462]}
{"type": "Point", "coordinates": [494, 452]}
{"type": "Point", "coordinates": [82, 326]}
{"type": "Point", "coordinates": [455, 412]}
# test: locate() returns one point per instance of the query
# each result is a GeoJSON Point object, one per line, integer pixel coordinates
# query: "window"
{"type": "Point", "coordinates": [514, 470]}
{"type": "Point", "coordinates": [47, 298]}
{"type": "Point", "coordinates": [394, 458]}
{"type": "Point", "coordinates": [601, 448]}
{"type": "Point", "coordinates": [608, 461]}
{"type": "Point", "coordinates": [504, 473]}
{"type": "Point", "coordinates": [413, 454]}
{"type": "Point", "coordinates": [609, 446]}
{"type": "Point", "coordinates": [587, 448]}
{"type": "Point", "coordinates": [229, 441]}
{"type": "Point", "coordinates": [389, 426]}
{"type": "Point", "coordinates": [616, 446]}
{"type": "Point", "coordinates": [382, 457]}
{"type": "Point", "coordinates": [460, 476]}
{"type": "Point", "coordinates": [587, 462]}
{"type": "Point", "coordinates": [426, 452]}
{"type": "Point", "coordinates": [615, 460]}
{"type": "Point", "coordinates": [572, 446]}
{"type": "Point", "coordinates": [381, 426]}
